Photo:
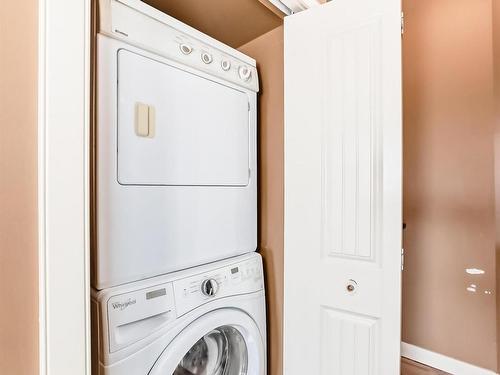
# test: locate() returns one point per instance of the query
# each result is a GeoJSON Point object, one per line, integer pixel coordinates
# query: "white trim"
{"type": "Point", "coordinates": [42, 334]}
{"type": "Point", "coordinates": [441, 362]}
{"type": "Point", "coordinates": [293, 6]}
{"type": "Point", "coordinates": [282, 7]}
{"type": "Point", "coordinates": [63, 186]}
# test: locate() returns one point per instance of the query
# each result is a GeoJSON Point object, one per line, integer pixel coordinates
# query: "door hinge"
{"type": "Point", "coordinates": [402, 259]}
{"type": "Point", "coordinates": [402, 23]}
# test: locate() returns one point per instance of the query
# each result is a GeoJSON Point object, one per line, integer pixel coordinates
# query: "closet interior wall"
{"type": "Point", "coordinates": [268, 51]}
{"type": "Point", "coordinates": [496, 74]}
{"type": "Point", "coordinates": [231, 22]}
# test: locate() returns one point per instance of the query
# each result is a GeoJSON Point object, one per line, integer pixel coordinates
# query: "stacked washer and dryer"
{"type": "Point", "coordinates": [177, 286]}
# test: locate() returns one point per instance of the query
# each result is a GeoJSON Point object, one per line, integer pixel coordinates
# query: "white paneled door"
{"type": "Point", "coordinates": [343, 154]}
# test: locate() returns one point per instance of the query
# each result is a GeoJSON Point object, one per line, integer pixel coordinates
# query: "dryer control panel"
{"type": "Point", "coordinates": [240, 278]}
{"type": "Point", "coordinates": [142, 25]}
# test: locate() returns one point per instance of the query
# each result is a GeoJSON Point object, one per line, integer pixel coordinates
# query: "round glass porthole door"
{"type": "Point", "coordinates": [222, 351]}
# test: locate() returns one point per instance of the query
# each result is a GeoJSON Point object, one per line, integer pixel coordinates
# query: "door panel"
{"type": "Point", "coordinates": [343, 188]}
{"type": "Point", "coordinates": [351, 136]}
{"type": "Point", "coordinates": [347, 343]}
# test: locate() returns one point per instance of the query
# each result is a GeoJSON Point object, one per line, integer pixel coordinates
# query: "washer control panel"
{"type": "Point", "coordinates": [135, 315]}
{"type": "Point", "coordinates": [135, 311]}
{"type": "Point", "coordinates": [240, 278]}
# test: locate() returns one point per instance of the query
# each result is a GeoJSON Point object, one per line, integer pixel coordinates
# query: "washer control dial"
{"type": "Point", "coordinates": [225, 65]}
{"type": "Point", "coordinates": [186, 48]}
{"type": "Point", "coordinates": [210, 287]}
{"type": "Point", "coordinates": [206, 57]}
{"type": "Point", "coordinates": [245, 73]}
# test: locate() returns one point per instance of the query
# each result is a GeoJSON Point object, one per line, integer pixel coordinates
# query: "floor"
{"type": "Point", "coordinates": [414, 368]}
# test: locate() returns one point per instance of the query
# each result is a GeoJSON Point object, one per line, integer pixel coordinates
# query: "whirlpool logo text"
{"type": "Point", "coordinates": [123, 305]}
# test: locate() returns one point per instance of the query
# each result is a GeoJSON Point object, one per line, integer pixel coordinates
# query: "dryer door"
{"type": "Point", "coordinates": [179, 127]}
{"type": "Point", "coordinates": [223, 342]}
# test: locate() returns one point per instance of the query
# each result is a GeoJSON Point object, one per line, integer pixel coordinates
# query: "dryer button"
{"type": "Point", "coordinates": [225, 65]}
{"type": "Point", "coordinates": [245, 73]}
{"type": "Point", "coordinates": [186, 48]}
{"type": "Point", "coordinates": [206, 58]}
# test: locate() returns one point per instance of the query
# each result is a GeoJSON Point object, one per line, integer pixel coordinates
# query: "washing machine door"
{"type": "Point", "coordinates": [222, 342]}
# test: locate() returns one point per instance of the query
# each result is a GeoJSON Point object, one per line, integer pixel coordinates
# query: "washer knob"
{"type": "Point", "coordinates": [186, 48]}
{"type": "Point", "coordinates": [244, 72]}
{"type": "Point", "coordinates": [206, 57]}
{"type": "Point", "coordinates": [209, 287]}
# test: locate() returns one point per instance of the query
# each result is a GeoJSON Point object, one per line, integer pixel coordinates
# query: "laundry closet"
{"type": "Point", "coordinates": [314, 204]}
{"type": "Point", "coordinates": [310, 207]}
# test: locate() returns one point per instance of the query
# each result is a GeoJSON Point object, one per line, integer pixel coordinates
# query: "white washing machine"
{"type": "Point", "coordinates": [209, 320]}
{"type": "Point", "coordinates": [175, 147]}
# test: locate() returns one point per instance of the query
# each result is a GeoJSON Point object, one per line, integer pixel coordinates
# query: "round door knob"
{"type": "Point", "coordinates": [209, 287]}
{"type": "Point", "coordinates": [245, 73]}
{"type": "Point", "coordinates": [351, 286]}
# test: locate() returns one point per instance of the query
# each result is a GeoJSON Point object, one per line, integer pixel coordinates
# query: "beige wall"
{"type": "Point", "coordinates": [232, 22]}
{"type": "Point", "coordinates": [18, 188]}
{"type": "Point", "coordinates": [496, 73]}
{"type": "Point", "coordinates": [449, 179]}
{"type": "Point", "coordinates": [268, 51]}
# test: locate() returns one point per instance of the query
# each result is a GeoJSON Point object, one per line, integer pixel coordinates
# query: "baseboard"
{"type": "Point", "coordinates": [441, 362]}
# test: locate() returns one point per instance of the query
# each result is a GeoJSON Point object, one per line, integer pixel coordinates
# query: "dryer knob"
{"type": "Point", "coordinates": [209, 287]}
{"type": "Point", "coordinates": [245, 73]}
{"type": "Point", "coordinates": [185, 48]}
{"type": "Point", "coordinates": [206, 58]}
{"type": "Point", "coordinates": [225, 65]}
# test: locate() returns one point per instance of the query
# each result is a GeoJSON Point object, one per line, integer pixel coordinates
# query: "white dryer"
{"type": "Point", "coordinates": [176, 155]}
{"type": "Point", "coordinates": [209, 320]}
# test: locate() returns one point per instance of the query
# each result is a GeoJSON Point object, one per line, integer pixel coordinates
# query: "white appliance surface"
{"type": "Point", "coordinates": [155, 326]}
{"type": "Point", "coordinates": [201, 133]}
{"type": "Point", "coordinates": [176, 148]}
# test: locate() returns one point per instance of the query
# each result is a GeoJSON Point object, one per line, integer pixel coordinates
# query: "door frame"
{"type": "Point", "coordinates": [63, 186]}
